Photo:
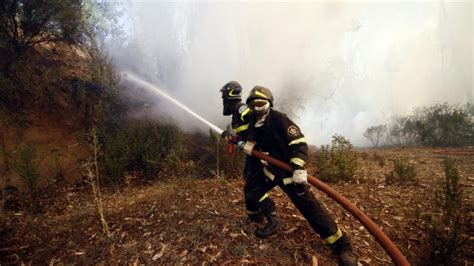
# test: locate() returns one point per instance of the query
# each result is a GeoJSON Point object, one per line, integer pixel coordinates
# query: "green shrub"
{"type": "Point", "coordinates": [445, 125]}
{"type": "Point", "coordinates": [336, 162]}
{"type": "Point", "coordinates": [401, 173]}
{"type": "Point", "coordinates": [435, 125]}
{"type": "Point", "coordinates": [142, 147]}
{"type": "Point", "coordinates": [448, 230]}
{"type": "Point", "coordinates": [27, 167]}
{"type": "Point", "coordinates": [116, 154]}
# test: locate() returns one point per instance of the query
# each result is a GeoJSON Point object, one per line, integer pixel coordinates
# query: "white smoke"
{"type": "Point", "coordinates": [334, 67]}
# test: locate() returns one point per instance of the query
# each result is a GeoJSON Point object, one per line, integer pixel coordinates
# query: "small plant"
{"type": "Point", "coordinates": [92, 173]}
{"type": "Point", "coordinates": [402, 172]}
{"type": "Point", "coordinates": [228, 165]}
{"type": "Point", "coordinates": [448, 230]}
{"type": "Point", "coordinates": [27, 167]}
{"type": "Point", "coordinates": [338, 162]}
{"type": "Point", "coordinates": [222, 179]}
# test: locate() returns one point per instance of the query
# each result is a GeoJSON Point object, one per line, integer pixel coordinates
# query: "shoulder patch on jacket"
{"type": "Point", "coordinates": [242, 108]}
{"type": "Point", "coordinates": [293, 131]}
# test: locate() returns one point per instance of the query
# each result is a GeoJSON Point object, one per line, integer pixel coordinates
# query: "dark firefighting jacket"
{"type": "Point", "coordinates": [241, 119]}
{"type": "Point", "coordinates": [281, 139]}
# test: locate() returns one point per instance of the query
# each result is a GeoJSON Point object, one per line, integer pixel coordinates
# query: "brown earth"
{"type": "Point", "coordinates": [187, 221]}
{"type": "Point", "coordinates": [60, 149]}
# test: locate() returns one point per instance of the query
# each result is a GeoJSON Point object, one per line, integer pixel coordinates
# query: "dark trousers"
{"type": "Point", "coordinates": [255, 189]}
{"type": "Point", "coordinates": [311, 209]}
{"type": "Point", "coordinates": [257, 185]}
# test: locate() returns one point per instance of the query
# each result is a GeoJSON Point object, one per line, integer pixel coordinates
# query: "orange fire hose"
{"type": "Point", "coordinates": [373, 228]}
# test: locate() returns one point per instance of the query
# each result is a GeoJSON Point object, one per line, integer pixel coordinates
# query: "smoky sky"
{"type": "Point", "coordinates": [333, 67]}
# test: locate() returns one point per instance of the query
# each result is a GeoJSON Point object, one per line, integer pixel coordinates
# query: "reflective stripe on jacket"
{"type": "Point", "coordinates": [241, 120]}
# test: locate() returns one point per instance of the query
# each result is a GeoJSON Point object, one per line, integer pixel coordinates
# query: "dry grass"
{"type": "Point", "coordinates": [187, 221]}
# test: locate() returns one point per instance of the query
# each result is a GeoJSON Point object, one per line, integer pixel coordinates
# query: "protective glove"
{"type": "Point", "coordinates": [248, 147]}
{"type": "Point", "coordinates": [300, 176]}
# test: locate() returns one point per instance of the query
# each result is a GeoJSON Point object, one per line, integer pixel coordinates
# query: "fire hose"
{"type": "Point", "coordinates": [387, 244]}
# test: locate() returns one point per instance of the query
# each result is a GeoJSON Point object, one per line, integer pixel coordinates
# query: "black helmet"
{"type": "Point", "coordinates": [232, 91]}
{"type": "Point", "coordinates": [260, 92]}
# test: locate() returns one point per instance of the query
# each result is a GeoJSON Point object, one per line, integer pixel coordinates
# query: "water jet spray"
{"type": "Point", "coordinates": [160, 92]}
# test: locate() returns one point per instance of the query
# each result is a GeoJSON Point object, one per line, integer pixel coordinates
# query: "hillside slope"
{"type": "Point", "coordinates": [196, 221]}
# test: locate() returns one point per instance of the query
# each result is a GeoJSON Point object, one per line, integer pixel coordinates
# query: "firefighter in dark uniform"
{"type": "Point", "coordinates": [258, 204]}
{"type": "Point", "coordinates": [274, 133]}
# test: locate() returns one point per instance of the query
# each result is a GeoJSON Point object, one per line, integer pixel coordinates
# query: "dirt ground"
{"type": "Point", "coordinates": [188, 221]}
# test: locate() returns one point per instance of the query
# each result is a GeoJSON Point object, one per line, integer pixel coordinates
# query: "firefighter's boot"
{"type": "Point", "coordinates": [271, 227]}
{"type": "Point", "coordinates": [343, 249]}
